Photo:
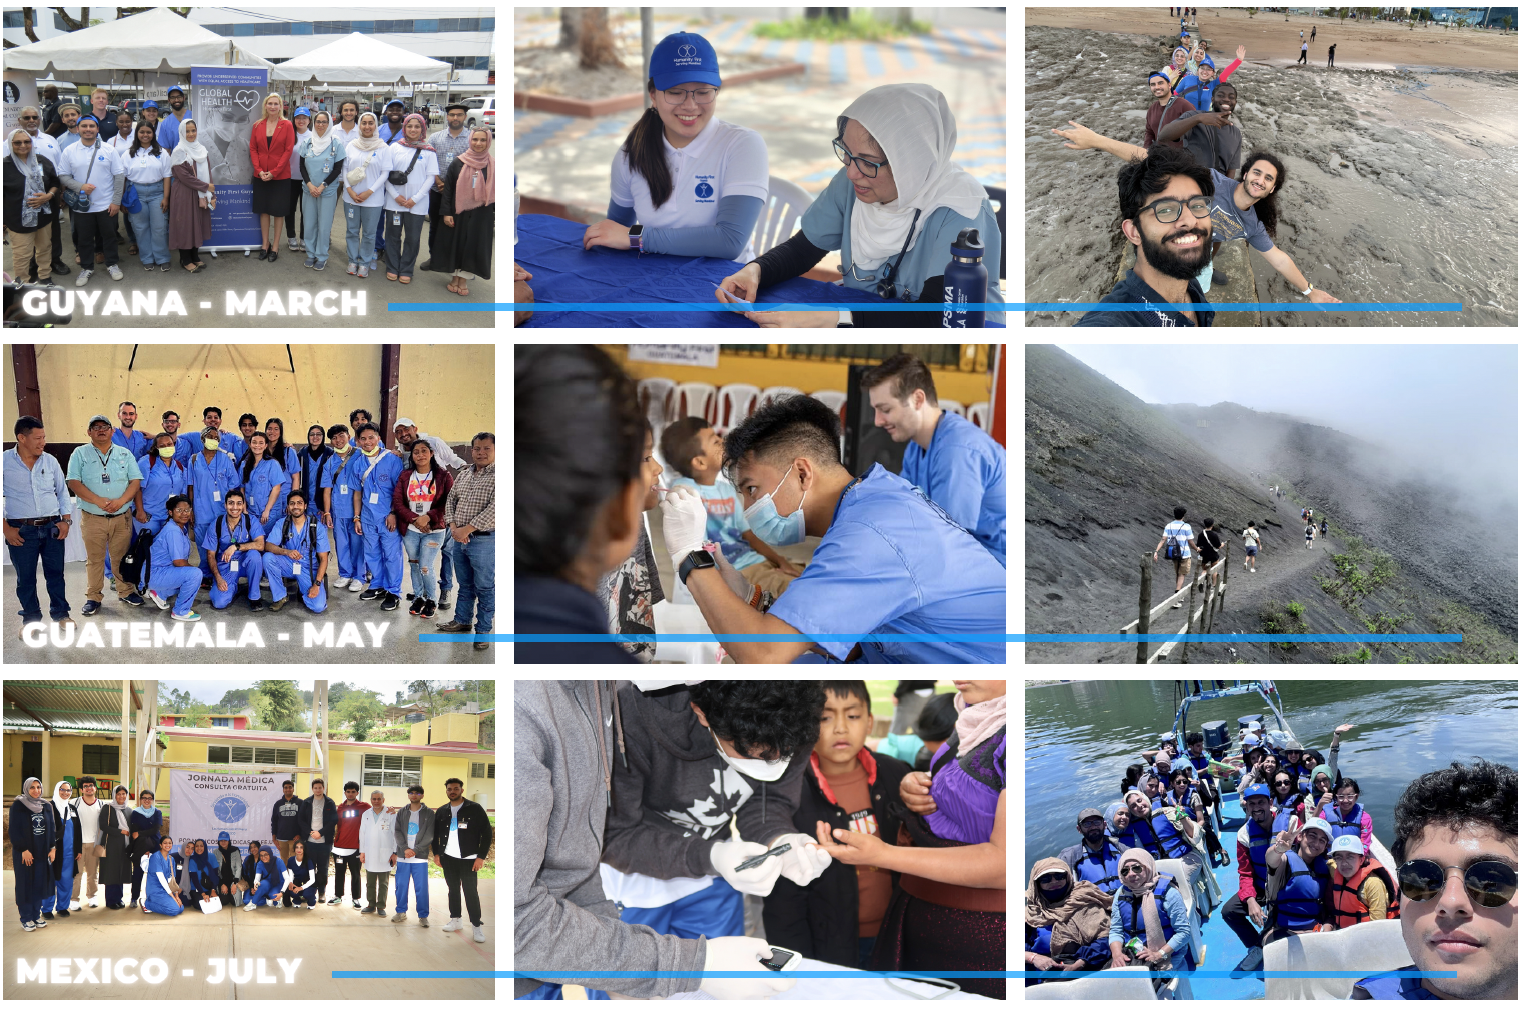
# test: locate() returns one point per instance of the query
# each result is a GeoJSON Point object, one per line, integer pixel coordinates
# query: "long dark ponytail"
{"type": "Point", "coordinates": [1266, 207]}
{"type": "Point", "coordinates": [645, 154]}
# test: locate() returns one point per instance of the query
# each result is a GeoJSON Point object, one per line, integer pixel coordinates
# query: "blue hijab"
{"type": "Point", "coordinates": [276, 867]}
{"type": "Point", "coordinates": [200, 862]}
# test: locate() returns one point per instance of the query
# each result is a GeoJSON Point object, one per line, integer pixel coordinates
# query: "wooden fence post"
{"type": "Point", "coordinates": [1191, 599]}
{"type": "Point", "coordinates": [1144, 608]}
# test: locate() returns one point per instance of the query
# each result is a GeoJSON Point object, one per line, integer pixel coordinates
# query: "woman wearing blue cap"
{"type": "Point", "coordinates": [893, 211]}
{"type": "Point", "coordinates": [695, 183]}
{"type": "Point", "coordinates": [300, 120]}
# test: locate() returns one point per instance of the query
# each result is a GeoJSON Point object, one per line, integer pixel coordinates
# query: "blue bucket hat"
{"type": "Point", "coordinates": [682, 58]}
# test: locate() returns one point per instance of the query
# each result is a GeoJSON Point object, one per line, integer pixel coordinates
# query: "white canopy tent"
{"type": "Point", "coordinates": [361, 59]}
{"type": "Point", "coordinates": [156, 41]}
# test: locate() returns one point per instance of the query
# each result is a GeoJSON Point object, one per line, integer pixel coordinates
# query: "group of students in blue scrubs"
{"type": "Point", "coordinates": [892, 559]}
{"type": "Point", "coordinates": [686, 182]}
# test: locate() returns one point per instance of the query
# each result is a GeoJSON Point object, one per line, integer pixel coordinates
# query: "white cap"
{"type": "Point", "coordinates": [1348, 843]}
{"type": "Point", "coordinates": [402, 422]}
{"type": "Point", "coordinates": [1320, 824]}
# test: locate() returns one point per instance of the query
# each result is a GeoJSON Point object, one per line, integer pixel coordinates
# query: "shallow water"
{"type": "Point", "coordinates": [1082, 735]}
{"type": "Point", "coordinates": [1424, 209]}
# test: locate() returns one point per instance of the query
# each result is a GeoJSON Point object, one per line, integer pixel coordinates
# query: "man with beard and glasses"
{"type": "Point", "coordinates": [169, 128]}
{"type": "Point", "coordinates": [1095, 857]}
{"type": "Point", "coordinates": [1247, 209]}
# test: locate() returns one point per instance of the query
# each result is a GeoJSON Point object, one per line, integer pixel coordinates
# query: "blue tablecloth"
{"type": "Point", "coordinates": [551, 248]}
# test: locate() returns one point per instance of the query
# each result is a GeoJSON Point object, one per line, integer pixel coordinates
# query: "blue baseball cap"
{"type": "Point", "coordinates": [1259, 789]}
{"type": "Point", "coordinates": [684, 58]}
{"type": "Point", "coordinates": [302, 111]}
{"type": "Point", "coordinates": [150, 104]}
{"type": "Point", "coordinates": [1206, 61]}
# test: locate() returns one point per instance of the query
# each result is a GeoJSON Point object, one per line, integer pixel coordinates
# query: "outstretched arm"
{"type": "Point", "coordinates": [1239, 58]}
{"type": "Point", "coordinates": [1284, 265]}
{"type": "Point", "coordinates": [1081, 139]}
{"type": "Point", "coordinates": [1182, 125]}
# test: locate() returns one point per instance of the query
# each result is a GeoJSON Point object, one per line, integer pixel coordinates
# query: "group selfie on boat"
{"type": "Point", "coordinates": [1234, 850]}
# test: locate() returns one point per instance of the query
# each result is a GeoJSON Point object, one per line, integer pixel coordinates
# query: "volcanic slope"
{"type": "Point", "coordinates": [1103, 472]}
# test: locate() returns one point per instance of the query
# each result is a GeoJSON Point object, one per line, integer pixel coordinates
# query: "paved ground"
{"type": "Point", "coordinates": [345, 620]}
{"type": "Point", "coordinates": [195, 947]}
{"type": "Point", "coordinates": [566, 159]}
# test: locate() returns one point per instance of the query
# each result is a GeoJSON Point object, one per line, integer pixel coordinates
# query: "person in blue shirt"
{"type": "Point", "coordinates": [286, 455]}
{"type": "Point", "coordinates": [889, 562]}
{"type": "Point", "coordinates": [160, 870]}
{"type": "Point", "coordinates": [349, 549]}
{"type": "Point", "coordinates": [185, 445]}
{"type": "Point", "coordinates": [169, 127]}
{"type": "Point", "coordinates": [270, 879]}
{"type": "Point", "coordinates": [957, 465]}
{"type": "Point", "coordinates": [236, 543]}
{"type": "Point", "coordinates": [37, 517]}
{"type": "Point", "coordinates": [263, 481]}
{"type": "Point", "coordinates": [302, 889]}
{"type": "Point", "coordinates": [297, 547]}
{"type": "Point", "coordinates": [127, 436]}
{"type": "Point", "coordinates": [172, 575]}
{"type": "Point", "coordinates": [212, 474]}
{"type": "Point", "coordinates": [212, 417]}
{"type": "Point", "coordinates": [371, 476]}
{"type": "Point", "coordinates": [163, 478]}
{"type": "Point", "coordinates": [312, 459]}
{"type": "Point", "coordinates": [1198, 88]}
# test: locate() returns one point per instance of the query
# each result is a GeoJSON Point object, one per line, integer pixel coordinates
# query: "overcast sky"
{"type": "Point", "coordinates": [212, 691]}
{"type": "Point", "coordinates": [1452, 407]}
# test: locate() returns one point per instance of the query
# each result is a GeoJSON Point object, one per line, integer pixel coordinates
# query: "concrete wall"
{"type": "Point", "coordinates": [62, 756]}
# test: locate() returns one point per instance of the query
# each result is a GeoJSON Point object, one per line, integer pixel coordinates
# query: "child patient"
{"type": "Point", "coordinates": [692, 447]}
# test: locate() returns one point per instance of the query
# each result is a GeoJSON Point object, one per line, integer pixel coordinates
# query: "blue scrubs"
{"type": "Point", "coordinates": [208, 483]}
{"type": "Point", "coordinates": [279, 568]}
{"type": "Point", "coordinates": [893, 563]}
{"type": "Point", "coordinates": [244, 564]}
{"type": "Point", "coordinates": [384, 547]}
{"type": "Point", "coordinates": [306, 880]}
{"type": "Point", "coordinates": [160, 481]}
{"type": "Point", "coordinates": [184, 448]}
{"type": "Point", "coordinates": [155, 897]}
{"type": "Point", "coordinates": [263, 476]}
{"type": "Point", "coordinates": [269, 879]}
{"type": "Point", "coordinates": [168, 580]}
{"type": "Point", "coordinates": [715, 911]}
{"type": "Point", "coordinates": [133, 441]}
{"type": "Point", "coordinates": [290, 466]}
{"type": "Point", "coordinates": [231, 444]}
{"type": "Point", "coordinates": [964, 470]}
{"type": "Point", "coordinates": [70, 844]}
{"type": "Point", "coordinates": [169, 127]}
{"type": "Point", "coordinates": [349, 549]}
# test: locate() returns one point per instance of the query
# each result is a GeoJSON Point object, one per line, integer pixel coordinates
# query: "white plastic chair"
{"type": "Point", "coordinates": [979, 414]}
{"type": "Point", "coordinates": [1113, 984]}
{"type": "Point", "coordinates": [1372, 947]}
{"type": "Point", "coordinates": [735, 401]}
{"type": "Point", "coordinates": [773, 393]}
{"type": "Point", "coordinates": [833, 398]}
{"type": "Point", "coordinates": [952, 406]}
{"type": "Point", "coordinates": [655, 396]}
{"type": "Point", "coordinates": [1179, 871]}
{"type": "Point", "coordinates": [786, 202]}
{"type": "Point", "coordinates": [693, 399]}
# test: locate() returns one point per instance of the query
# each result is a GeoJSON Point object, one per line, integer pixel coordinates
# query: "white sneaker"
{"type": "Point", "coordinates": [75, 906]}
{"type": "Point", "coordinates": [115, 272]}
{"type": "Point", "coordinates": [95, 903]}
{"type": "Point", "coordinates": [248, 906]}
{"type": "Point", "coordinates": [356, 585]}
{"type": "Point", "coordinates": [291, 245]}
{"type": "Point", "coordinates": [340, 583]}
{"type": "Point", "coordinates": [190, 615]}
{"type": "Point", "coordinates": [451, 926]}
{"type": "Point", "coordinates": [158, 600]}
{"type": "Point", "coordinates": [83, 278]}
{"type": "Point", "coordinates": [477, 934]}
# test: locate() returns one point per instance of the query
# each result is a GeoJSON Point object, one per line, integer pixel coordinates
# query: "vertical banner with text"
{"type": "Point", "coordinates": [225, 102]}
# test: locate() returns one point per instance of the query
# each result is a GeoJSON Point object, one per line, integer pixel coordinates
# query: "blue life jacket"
{"type": "Point", "coordinates": [1386, 986]}
{"type": "Point", "coordinates": [1133, 921]}
{"type": "Point", "coordinates": [1040, 943]}
{"type": "Point", "coordinates": [1299, 902]}
{"type": "Point", "coordinates": [1100, 868]}
{"type": "Point", "coordinates": [1170, 800]}
{"type": "Point", "coordinates": [1200, 762]}
{"type": "Point", "coordinates": [1257, 845]}
{"type": "Point", "coordinates": [1157, 836]}
{"type": "Point", "coordinates": [1339, 825]}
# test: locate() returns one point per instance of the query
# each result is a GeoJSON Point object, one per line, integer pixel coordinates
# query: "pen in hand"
{"type": "Point", "coordinates": [758, 860]}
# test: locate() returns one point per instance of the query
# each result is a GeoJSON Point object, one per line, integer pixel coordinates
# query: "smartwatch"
{"type": "Point", "coordinates": [636, 230]}
{"type": "Point", "coordinates": [1307, 291]}
{"type": "Point", "coordinates": [694, 559]}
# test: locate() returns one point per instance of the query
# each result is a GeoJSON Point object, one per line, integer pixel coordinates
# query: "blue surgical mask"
{"type": "Point", "coordinates": [776, 530]}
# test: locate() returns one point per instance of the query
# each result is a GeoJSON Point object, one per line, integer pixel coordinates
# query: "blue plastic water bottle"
{"type": "Point", "coordinates": [964, 283]}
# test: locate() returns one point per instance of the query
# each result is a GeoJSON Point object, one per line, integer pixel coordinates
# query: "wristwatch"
{"type": "Point", "coordinates": [695, 559]}
{"type": "Point", "coordinates": [1305, 291]}
{"type": "Point", "coordinates": [636, 230]}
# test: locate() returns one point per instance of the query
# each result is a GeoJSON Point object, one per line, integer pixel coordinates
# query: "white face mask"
{"type": "Point", "coordinates": [763, 771]}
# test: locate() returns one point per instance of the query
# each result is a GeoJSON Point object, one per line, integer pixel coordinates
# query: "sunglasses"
{"type": "Point", "coordinates": [1131, 870]}
{"type": "Point", "coordinates": [1053, 878]}
{"type": "Point", "coordinates": [1489, 882]}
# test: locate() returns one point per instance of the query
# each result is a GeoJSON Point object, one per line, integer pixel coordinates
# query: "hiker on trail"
{"type": "Point", "coordinates": [1308, 535]}
{"type": "Point", "coordinates": [1252, 544]}
{"type": "Point", "coordinates": [1324, 526]}
{"type": "Point", "coordinates": [1208, 543]}
{"type": "Point", "coordinates": [1177, 540]}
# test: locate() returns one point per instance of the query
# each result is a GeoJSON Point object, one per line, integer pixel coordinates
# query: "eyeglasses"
{"type": "Point", "coordinates": [1053, 878]}
{"type": "Point", "coordinates": [1168, 210]}
{"type": "Point", "coordinates": [1489, 882]}
{"type": "Point", "coordinates": [870, 168]}
{"type": "Point", "coordinates": [702, 96]}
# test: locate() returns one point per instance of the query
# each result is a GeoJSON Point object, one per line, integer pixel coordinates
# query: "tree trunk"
{"type": "Point", "coordinates": [572, 22]}
{"type": "Point", "coordinates": [596, 44]}
{"type": "Point", "coordinates": [29, 24]}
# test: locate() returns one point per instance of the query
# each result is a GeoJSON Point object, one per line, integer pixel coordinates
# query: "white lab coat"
{"type": "Point", "coordinates": [377, 843]}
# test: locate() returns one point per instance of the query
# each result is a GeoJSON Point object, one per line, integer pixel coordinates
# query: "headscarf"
{"type": "Point", "coordinates": [422, 143]}
{"type": "Point", "coordinates": [1111, 812]}
{"type": "Point", "coordinates": [979, 722]}
{"type": "Point", "coordinates": [1154, 935]}
{"type": "Point", "coordinates": [913, 125]}
{"type": "Point", "coordinates": [122, 810]}
{"type": "Point", "coordinates": [202, 859]}
{"type": "Point", "coordinates": [195, 153]}
{"type": "Point", "coordinates": [1078, 917]}
{"type": "Point", "coordinates": [469, 197]}
{"type": "Point", "coordinates": [318, 141]}
{"type": "Point", "coordinates": [62, 804]}
{"type": "Point", "coordinates": [25, 799]}
{"type": "Point", "coordinates": [363, 145]}
{"type": "Point", "coordinates": [31, 172]}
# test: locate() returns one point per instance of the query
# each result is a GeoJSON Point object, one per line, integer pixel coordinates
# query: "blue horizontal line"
{"type": "Point", "coordinates": [968, 637]}
{"type": "Point", "coordinates": [1242, 306]}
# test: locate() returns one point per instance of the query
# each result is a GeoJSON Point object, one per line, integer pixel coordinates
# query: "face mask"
{"type": "Point", "coordinates": [209, 443]}
{"type": "Point", "coordinates": [763, 771]}
{"type": "Point", "coordinates": [166, 452]}
{"type": "Point", "coordinates": [776, 530]}
{"type": "Point", "coordinates": [371, 452]}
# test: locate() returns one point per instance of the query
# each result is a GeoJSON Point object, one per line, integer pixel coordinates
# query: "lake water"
{"type": "Point", "coordinates": [1082, 736]}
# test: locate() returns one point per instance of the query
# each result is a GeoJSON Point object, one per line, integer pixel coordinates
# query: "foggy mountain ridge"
{"type": "Point", "coordinates": [1104, 470]}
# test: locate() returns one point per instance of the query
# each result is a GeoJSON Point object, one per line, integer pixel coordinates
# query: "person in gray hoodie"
{"type": "Point", "coordinates": [564, 755]}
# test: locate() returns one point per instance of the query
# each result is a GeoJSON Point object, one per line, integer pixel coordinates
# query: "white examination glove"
{"type": "Point", "coordinates": [726, 856]}
{"type": "Point", "coordinates": [741, 953]}
{"type": "Point", "coordinates": [683, 522]}
{"type": "Point", "coordinates": [805, 861]}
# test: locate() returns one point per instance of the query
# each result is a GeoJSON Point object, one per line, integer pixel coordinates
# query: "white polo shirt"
{"type": "Point", "coordinates": [42, 145]}
{"type": "Point", "coordinates": [724, 160]}
{"type": "Point", "coordinates": [100, 161]}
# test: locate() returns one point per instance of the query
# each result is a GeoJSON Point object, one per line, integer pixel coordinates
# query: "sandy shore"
{"type": "Point", "coordinates": [1268, 37]}
{"type": "Point", "coordinates": [1402, 181]}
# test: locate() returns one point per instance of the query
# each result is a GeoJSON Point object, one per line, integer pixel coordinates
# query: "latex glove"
{"type": "Point", "coordinates": [733, 578]}
{"type": "Point", "coordinates": [805, 860]}
{"type": "Point", "coordinates": [741, 953]}
{"type": "Point", "coordinates": [726, 856]}
{"type": "Point", "coordinates": [683, 522]}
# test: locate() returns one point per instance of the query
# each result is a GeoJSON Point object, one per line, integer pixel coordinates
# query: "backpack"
{"type": "Point", "coordinates": [1173, 547]}
{"type": "Point", "coordinates": [136, 563]}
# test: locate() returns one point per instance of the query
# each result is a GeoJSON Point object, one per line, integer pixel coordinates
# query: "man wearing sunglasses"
{"type": "Point", "coordinates": [1457, 844]}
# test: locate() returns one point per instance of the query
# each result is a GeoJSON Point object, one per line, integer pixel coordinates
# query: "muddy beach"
{"type": "Point", "coordinates": [1402, 177]}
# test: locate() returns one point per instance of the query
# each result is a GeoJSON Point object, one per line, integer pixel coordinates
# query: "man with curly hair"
{"type": "Point", "coordinates": [696, 757]}
{"type": "Point", "coordinates": [1456, 842]}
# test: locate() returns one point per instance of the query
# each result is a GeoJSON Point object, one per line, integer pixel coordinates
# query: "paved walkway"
{"type": "Point", "coordinates": [566, 159]}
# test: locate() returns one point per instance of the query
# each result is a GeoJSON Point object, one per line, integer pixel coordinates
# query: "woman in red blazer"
{"type": "Point", "coordinates": [418, 502]}
{"type": "Point", "coordinates": [270, 146]}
